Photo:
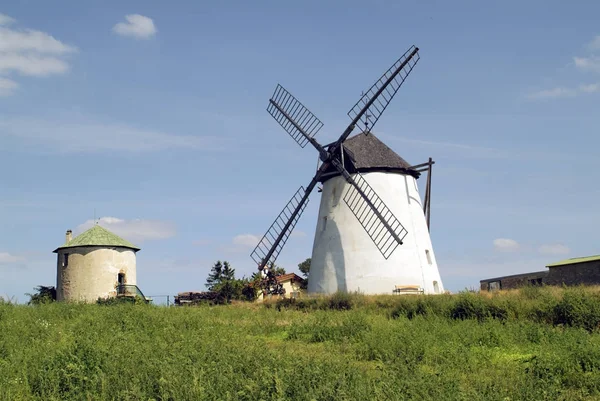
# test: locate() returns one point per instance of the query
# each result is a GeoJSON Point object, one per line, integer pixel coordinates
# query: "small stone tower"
{"type": "Point", "coordinates": [91, 265]}
{"type": "Point", "coordinates": [344, 257]}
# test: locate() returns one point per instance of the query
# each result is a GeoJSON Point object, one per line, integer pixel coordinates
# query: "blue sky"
{"type": "Point", "coordinates": [152, 116]}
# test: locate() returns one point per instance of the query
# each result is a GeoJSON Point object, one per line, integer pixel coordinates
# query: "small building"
{"type": "Point", "coordinates": [513, 281]}
{"type": "Point", "coordinates": [575, 271]}
{"type": "Point", "coordinates": [292, 284]}
{"type": "Point", "coordinates": [93, 264]}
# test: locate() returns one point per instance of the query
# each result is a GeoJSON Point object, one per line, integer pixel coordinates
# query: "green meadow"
{"type": "Point", "coordinates": [532, 344]}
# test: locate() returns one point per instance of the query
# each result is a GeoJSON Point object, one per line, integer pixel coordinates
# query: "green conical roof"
{"type": "Point", "coordinates": [97, 236]}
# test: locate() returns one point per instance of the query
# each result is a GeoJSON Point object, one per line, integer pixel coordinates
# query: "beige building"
{"type": "Point", "coordinates": [93, 264]}
{"type": "Point", "coordinates": [291, 283]}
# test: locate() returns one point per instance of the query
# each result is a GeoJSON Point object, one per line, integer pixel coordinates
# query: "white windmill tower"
{"type": "Point", "coordinates": [344, 257]}
{"type": "Point", "coordinates": [367, 190]}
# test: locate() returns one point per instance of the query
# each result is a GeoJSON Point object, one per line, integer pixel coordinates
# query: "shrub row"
{"type": "Point", "coordinates": [574, 307]}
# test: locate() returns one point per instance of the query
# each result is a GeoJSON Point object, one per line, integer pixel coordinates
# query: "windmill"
{"type": "Point", "coordinates": [355, 241]}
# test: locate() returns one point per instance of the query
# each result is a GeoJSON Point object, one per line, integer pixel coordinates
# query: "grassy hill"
{"type": "Point", "coordinates": [534, 344]}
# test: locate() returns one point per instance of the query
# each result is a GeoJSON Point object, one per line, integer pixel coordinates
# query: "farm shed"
{"type": "Point", "coordinates": [575, 271]}
{"type": "Point", "coordinates": [514, 281]}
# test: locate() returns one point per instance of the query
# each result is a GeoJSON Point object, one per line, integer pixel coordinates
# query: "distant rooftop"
{"type": "Point", "coordinates": [289, 276]}
{"type": "Point", "coordinates": [97, 236]}
{"type": "Point", "coordinates": [537, 274]}
{"type": "Point", "coordinates": [573, 261]}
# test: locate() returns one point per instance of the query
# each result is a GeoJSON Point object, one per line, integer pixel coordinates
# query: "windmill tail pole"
{"type": "Point", "coordinates": [429, 195]}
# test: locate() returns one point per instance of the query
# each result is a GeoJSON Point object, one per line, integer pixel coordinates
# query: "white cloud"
{"type": "Point", "coordinates": [554, 249]}
{"type": "Point", "coordinates": [564, 92]}
{"type": "Point", "coordinates": [32, 65]}
{"type": "Point", "coordinates": [248, 240]}
{"type": "Point", "coordinates": [6, 20]}
{"type": "Point", "coordinates": [92, 137]}
{"type": "Point", "coordinates": [251, 240]}
{"type": "Point", "coordinates": [7, 87]}
{"type": "Point", "coordinates": [506, 245]}
{"type": "Point", "coordinates": [29, 52]}
{"type": "Point", "coordinates": [587, 63]}
{"type": "Point", "coordinates": [472, 151]}
{"type": "Point", "coordinates": [137, 26]}
{"type": "Point", "coordinates": [30, 40]}
{"type": "Point", "coordinates": [6, 258]}
{"type": "Point", "coordinates": [590, 88]}
{"type": "Point", "coordinates": [136, 230]}
{"type": "Point", "coordinates": [241, 243]}
{"type": "Point", "coordinates": [594, 44]}
{"type": "Point", "coordinates": [554, 93]}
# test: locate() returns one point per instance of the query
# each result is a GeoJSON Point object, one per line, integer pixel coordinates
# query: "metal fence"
{"type": "Point", "coordinates": [162, 300]}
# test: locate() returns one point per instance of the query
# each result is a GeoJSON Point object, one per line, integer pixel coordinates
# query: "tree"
{"type": "Point", "coordinates": [250, 288]}
{"type": "Point", "coordinates": [219, 273]}
{"type": "Point", "coordinates": [228, 272]}
{"type": "Point", "coordinates": [221, 280]}
{"type": "Point", "coordinates": [214, 277]}
{"type": "Point", "coordinates": [43, 295]}
{"type": "Point", "coordinates": [305, 269]}
{"type": "Point", "coordinates": [276, 270]}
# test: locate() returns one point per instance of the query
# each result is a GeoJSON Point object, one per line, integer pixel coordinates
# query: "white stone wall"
{"type": "Point", "coordinates": [344, 257]}
{"type": "Point", "coordinates": [92, 272]}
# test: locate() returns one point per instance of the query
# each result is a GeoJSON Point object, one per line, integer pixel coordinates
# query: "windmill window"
{"type": "Point", "coordinates": [66, 260]}
{"type": "Point", "coordinates": [428, 256]}
{"type": "Point", "coordinates": [535, 281]}
{"type": "Point", "coordinates": [436, 287]}
{"type": "Point", "coordinates": [324, 227]}
{"type": "Point", "coordinates": [121, 278]}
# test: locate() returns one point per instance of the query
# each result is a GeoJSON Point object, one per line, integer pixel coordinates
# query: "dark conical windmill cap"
{"type": "Point", "coordinates": [371, 154]}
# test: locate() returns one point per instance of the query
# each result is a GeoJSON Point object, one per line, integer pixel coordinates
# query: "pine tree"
{"type": "Point", "coordinates": [221, 279]}
{"type": "Point", "coordinates": [214, 277]}
{"type": "Point", "coordinates": [228, 273]}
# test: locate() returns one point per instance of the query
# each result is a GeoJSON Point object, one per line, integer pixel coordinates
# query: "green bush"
{"type": "Point", "coordinates": [578, 308]}
{"type": "Point", "coordinates": [340, 301]}
{"type": "Point", "coordinates": [121, 300]}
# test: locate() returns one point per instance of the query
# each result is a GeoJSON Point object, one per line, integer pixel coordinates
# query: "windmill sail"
{"type": "Point", "coordinates": [272, 242]}
{"type": "Point", "coordinates": [296, 120]}
{"type": "Point", "coordinates": [384, 229]}
{"type": "Point", "coordinates": [374, 102]}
